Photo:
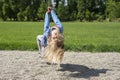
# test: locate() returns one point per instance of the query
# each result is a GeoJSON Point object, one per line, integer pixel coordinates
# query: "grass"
{"type": "Point", "coordinates": [93, 37]}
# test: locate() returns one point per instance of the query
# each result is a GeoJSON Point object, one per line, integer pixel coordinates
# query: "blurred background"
{"type": "Point", "coordinates": [67, 10]}
{"type": "Point", "coordinates": [89, 25]}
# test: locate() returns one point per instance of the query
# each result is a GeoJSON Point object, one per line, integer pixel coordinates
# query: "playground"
{"type": "Point", "coordinates": [91, 39]}
{"type": "Point", "coordinates": [15, 65]}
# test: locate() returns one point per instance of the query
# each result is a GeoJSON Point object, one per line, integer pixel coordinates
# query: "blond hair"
{"type": "Point", "coordinates": [55, 50]}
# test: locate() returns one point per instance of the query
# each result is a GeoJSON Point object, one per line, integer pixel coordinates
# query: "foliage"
{"type": "Point", "coordinates": [63, 12]}
{"type": "Point", "coordinates": [111, 10]}
{"type": "Point", "coordinates": [83, 10]}
{"type": "Point", "coordinates": [41, 11]}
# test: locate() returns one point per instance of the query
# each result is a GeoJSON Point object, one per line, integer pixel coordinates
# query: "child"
{"type": "Point", "coordinates": [51, 43]}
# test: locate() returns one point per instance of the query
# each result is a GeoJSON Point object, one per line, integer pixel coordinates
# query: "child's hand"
{"type": "Point", "coordinates": [49, 9]}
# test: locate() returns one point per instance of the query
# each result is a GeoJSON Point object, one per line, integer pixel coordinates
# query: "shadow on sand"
{"type": "Point", "coordinates": [80, 71]}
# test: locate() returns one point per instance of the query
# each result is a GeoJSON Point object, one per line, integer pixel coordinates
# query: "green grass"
{"type": "Point", "coordinates": [93, 37]}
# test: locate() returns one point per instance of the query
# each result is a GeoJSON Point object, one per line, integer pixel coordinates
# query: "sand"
{"type": "Point", "coordinates": [27, 65]}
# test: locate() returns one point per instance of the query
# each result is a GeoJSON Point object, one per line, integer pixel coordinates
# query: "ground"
{"type": "Point", "coordinates": [27, 65]}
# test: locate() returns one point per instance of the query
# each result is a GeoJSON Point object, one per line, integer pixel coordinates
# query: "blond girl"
{"type": "Point", "coordinates": [51, 43]}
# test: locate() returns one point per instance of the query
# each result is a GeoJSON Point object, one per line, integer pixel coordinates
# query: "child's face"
{"type": "Point", "coordinates": [54, 34]}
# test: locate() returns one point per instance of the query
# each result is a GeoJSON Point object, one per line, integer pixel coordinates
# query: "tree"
{"type": "Point", "coordinates": [14, 8]}
{"type": "Point", "coordinates": [84, 7]}
{"type": "Point", "coordinates": [63, 12]}
{"type": "Point", "coordinates": [118, 9]}
{"type": "Point", "coordinates": [27, 13]}
{"type": "Point", "coordinates": [72, 4]}
{"type": "Point", "coordinates": [84, 10]}
{"type": "Point", "coordinates": [41, 11]}
{"type": "Point", "coordinates": [5, 11]}
{"type": "Point", "coordinates": [1, 4]}
{"type": "Point", "coordinates": [111, 10]}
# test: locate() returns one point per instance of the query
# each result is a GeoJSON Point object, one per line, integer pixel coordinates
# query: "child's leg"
{"type": "Point", "coordinates": [40, 47]}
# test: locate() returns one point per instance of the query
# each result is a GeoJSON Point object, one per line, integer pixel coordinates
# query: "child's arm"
{"type": "Point", "coordinates": [46, 29]}
{"type": "Point", "coordinates": [47, 22]}
{"type": "Point", "coordinates": [56, 20]}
